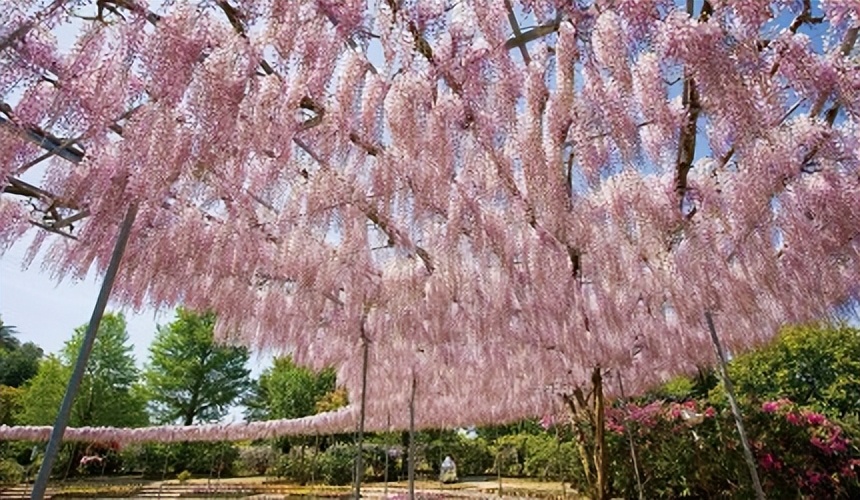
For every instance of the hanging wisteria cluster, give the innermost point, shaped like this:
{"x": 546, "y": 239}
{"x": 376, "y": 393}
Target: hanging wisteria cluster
{"x": 497, "y": 197}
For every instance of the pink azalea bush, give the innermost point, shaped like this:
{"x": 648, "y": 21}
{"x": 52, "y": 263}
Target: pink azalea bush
{"x": 100, "y": 458}
{"x": 692, "y": 449}
{"x": 803, "y": 453}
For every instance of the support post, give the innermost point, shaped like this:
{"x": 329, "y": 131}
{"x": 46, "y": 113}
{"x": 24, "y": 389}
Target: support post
{"x": 359, "y": 457}
{"x": 500, "y": 455}
{"x": 600, "y": 459}
{"x": 387, "y": 452}
{"x": 411, "y": 465}
{"x": 632, "y": 444}
{"x": 41, "y": 484}
{"x": 736, "y": 411}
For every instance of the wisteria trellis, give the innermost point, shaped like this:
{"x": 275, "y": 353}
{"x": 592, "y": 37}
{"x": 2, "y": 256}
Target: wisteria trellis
{"x": 499, "y": 208}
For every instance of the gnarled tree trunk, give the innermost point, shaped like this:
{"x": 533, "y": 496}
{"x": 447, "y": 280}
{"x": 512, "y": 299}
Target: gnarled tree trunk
{"x": 592, "y": 446}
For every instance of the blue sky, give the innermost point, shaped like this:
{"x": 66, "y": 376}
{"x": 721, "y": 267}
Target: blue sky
{"x": 46, "y": 312}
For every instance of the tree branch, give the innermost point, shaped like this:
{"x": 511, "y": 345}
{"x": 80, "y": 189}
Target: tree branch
{"x": 515, "y": 26}
{"x": 520, "y": 40}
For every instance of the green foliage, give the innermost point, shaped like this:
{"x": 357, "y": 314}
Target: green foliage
{"x": 286, "y": 390}
{"x": 190, "y": 378}
{"x": 216, "y": 459}
{"x": 257, "y": 460}
{"x": 683, "y": 387}
{"x": 373, "y": 458}
{"x": 300, "y": 465}
{"x": 10, "y": 472}
{"x": 546, "y": 458}
{"x": 157, "y": 460}
{"x": 10, "y": 404}
{"x": 183, "y": 476}
{"x": 43, "y": 393}
{"x": 815, "y": 365}
{"x": 493, "y": 432}
{"x": 108, "y": 395}
{"x": 803, "y": 453}
{"x": 472, "y": 455}
{"x": 24, "y": 453}
{"x": 540, "y": 455}
{"x": 510, "y": 454}
{"x": 678, "y": 388}
{"x": 336, "y": 464}
{"x": 305, "y": 465}
{"x": 332, "y": 400}
{"x": 693, "y": 450}
{"x": 153, "y": 460}
{"x": 8, "y": 341}
{"x": 19, "y": 364}
{"x": 676, "y": 457}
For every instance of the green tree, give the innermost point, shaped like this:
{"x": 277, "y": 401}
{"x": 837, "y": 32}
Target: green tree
{"x": 20, "y": 364}
{"x": 42, "y": 394}
{"x": 108, "y": 394}
{"x": 8, "y": 341}
{"x": 812, "y": 365}
{"x": 189, "y": 377}
{"x": 10, "y": 398}
{"x": 286, "y": 390}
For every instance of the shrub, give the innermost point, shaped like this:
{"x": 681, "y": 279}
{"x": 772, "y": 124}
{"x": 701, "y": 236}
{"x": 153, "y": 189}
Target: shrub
{"x": 336, "y": 464}
{"x": 538, "y": 455}
{"x": 257, "y": 459}
{"x": 803, "y": 453}
{"x": 471, "y": 454}
{"x": 215, "y": 459}
{"x": 300, "y": 465}
{"x": 374, "y": 462}
{"x": 816, "y": 366}
{"x": 101, "y": 458}
{"x": 183, "y": 476}
{"x": 685, "y": 449}
{"x": 549, "y": 460}
{"x": 682, "y": 450}
{"x": 333, "y": 466}
{"x": 153, "y": 460}
{"x": 10, "y": 472}
{"x": 159, "y": 460}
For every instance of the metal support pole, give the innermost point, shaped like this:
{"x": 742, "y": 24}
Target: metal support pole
{"x": 736, "y": 411}
{"x": 41, "y": 484}
{"x": 359, "y": 462}
{"x": 411, "y": 465}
